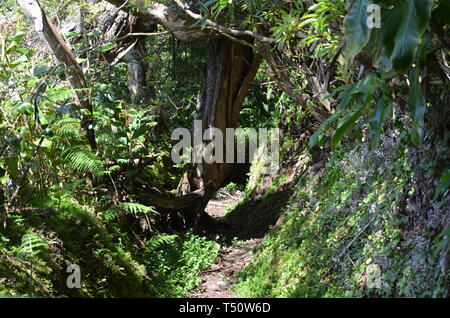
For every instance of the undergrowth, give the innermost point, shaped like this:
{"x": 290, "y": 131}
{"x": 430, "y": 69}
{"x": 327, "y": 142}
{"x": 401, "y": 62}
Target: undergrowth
{"x": 38, "y": 244}
{"x": 363, "y": 226}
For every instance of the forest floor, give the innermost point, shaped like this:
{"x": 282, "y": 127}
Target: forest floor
{"x": 218, "y": 280}
{"x": 243, "y": 227}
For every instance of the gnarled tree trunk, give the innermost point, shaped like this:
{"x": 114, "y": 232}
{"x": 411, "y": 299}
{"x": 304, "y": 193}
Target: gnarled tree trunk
{"x": 230, "y": 69}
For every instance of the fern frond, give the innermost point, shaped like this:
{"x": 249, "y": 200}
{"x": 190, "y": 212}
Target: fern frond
{"x": 132, "y": 207}
{"x": 83, "y": 160}
{"x": 68, "y": 127}
{"x": 128, "y": 208}
{"x": 31, "y": 246}
{"x": 159, "y": 240}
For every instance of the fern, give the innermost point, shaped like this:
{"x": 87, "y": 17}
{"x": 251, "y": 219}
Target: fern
{"x": 159, "y": 240}
{"x": 68, "y": 127}
{"x": 131, "y": 207}
{"x": 31, "y": 246}
{"x": 57, "y": 94}
{"x": 128, "y": 208}
{"x": 83, "y": 160}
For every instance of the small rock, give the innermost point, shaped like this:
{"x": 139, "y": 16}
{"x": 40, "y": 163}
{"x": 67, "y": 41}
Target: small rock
{"x": 222, "y": 283}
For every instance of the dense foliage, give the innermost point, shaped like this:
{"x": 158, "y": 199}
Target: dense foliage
{"x": 370, "y": 105}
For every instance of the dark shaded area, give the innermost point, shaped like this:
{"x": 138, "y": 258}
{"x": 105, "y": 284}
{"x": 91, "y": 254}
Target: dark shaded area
{"x": 251, "y": 219}
{"x": 75, "y": 237}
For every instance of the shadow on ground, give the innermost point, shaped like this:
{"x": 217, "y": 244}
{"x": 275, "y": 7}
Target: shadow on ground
{"x": 250, "y": 219}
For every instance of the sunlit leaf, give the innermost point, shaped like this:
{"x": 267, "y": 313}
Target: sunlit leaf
{"x": 107, "y": 47}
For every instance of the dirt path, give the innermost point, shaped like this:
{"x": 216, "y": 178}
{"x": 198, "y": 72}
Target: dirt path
{"x": 219, "y": 278}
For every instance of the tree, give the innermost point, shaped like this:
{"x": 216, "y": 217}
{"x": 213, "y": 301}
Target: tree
{"x": 231, "y": 66}
{"x": 64, "y": 55}
{"x": 234, "y": 56}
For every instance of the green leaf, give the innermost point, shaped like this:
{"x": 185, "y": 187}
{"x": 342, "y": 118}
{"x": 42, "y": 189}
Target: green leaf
{"x": 382, "y": 40}
{"x": 416, "y": 104}
{"x": 357, "y": 32}
{"x": 32, "y": 82}
{"x": 139, "y": 153}
{"x": 160, "y": 239}
{"x": 346, "y": 124}
{"x": 128, "y": 208}
{"x": 143, "y": 129}
{"x": 307, "y": 21}
{"x": 19, "y": 61}
{"x": 46, "y": 143}
{"x": 314, "y": 139}
{"x": 377, "y": 119}
{"x": 358, "y": 131}
{"x": 41, "y": 70}
{"x": 15, "y": 142}
{"x": 60, "y": 94}
{"x": 415, "y": 20}
{"x": 31, "y": 246}
{"x": 83, "y": 160}
{"x": 359, "y": 94}
{"x": 441, "y": 241}
{"x": 107, "y": 47}
{"x": 443, "y": 185}
{"x": 139, "y": 132}
{"x": 12, "y": 165}
{"x": 368, "y": 85}
{"x": 25, "y": 108}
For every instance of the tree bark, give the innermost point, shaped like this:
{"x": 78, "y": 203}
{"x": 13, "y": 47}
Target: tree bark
{"x": 180, "y": 20}
{"x": 230, "y": 70}
{"x": 116, "y": 24}
{"x": 136, "y": 72}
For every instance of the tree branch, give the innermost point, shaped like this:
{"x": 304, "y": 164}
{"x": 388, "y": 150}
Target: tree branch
{"x": 121, "y": 38}
{"x": 165, "y": 16}
{"x": 156, "y": 198}
{"x": 64, "y": 55}
{"x": 224, "y": 30}
{"x": 181, "y": 27}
